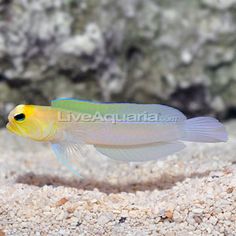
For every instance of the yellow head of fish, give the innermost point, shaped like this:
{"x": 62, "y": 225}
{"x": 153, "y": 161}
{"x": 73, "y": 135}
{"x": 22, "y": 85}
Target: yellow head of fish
{"x": 35, "y": 122}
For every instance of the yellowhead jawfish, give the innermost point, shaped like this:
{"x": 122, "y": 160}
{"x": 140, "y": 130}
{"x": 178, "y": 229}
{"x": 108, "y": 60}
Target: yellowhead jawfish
{"x": 121, "y": 131}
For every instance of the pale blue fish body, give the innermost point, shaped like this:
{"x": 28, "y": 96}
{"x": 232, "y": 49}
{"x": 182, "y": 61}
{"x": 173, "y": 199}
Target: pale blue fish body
{"x": 127, "y": 124}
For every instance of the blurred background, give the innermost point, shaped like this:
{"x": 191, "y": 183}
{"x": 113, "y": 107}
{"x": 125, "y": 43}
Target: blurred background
{"x": 180, "y": 53}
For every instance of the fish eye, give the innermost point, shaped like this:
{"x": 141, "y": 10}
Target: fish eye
{"x": 19, "y": 117}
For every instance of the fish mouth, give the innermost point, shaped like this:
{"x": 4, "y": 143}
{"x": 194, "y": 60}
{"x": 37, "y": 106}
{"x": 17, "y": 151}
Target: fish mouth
{"x": 12, "y": 128}
{"x": 9, "y": 127}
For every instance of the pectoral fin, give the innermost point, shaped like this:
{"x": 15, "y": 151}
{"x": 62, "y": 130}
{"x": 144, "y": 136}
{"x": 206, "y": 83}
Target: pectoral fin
{"x": 69, "y": 153}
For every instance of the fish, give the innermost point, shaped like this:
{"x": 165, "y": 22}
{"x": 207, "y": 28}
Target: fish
{"x": 121, "y": 131}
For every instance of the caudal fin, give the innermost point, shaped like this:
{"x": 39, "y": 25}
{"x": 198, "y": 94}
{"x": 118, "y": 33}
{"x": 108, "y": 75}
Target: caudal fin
{"x": 205, "y": 130}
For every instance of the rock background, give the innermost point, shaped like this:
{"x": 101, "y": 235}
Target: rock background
{"x": 180, "y": 53}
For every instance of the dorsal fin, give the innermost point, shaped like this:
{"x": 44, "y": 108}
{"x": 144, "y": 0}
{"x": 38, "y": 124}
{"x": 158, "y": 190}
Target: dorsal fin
{"x": 74, "y": 105}
{"x": 164, "y": 113}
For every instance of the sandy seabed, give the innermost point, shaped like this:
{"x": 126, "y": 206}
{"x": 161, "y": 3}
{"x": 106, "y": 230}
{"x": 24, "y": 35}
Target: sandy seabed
{"x": 190, "y": 193}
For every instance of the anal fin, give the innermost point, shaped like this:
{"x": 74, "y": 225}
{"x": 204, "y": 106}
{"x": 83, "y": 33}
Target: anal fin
{"x": 141, "y": 153}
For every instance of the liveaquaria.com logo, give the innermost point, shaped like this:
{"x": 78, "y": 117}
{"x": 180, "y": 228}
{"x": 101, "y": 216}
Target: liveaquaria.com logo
{"x": 144, "y": 117}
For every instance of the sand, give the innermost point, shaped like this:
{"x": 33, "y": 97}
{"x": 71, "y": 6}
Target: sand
{"x": 190, "y": 193}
